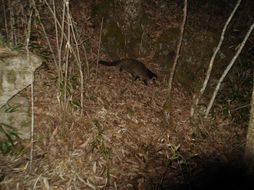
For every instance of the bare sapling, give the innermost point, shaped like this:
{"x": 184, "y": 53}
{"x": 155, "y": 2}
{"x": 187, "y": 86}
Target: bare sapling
{"x": 249, "y": 147}
{"x": 167, "y": 105}
{"x": 227, "y": 70}
{"x": 67, "y": 47}
{"x": 99, "y": 48}
{"x": 211, "y": 63}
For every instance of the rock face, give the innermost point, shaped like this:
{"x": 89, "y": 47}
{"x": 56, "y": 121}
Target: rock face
{"x": 16, "y": 73}
{"x": 17, "y": 115}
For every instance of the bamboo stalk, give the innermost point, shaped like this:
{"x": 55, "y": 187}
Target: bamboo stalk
{"x": 32, "y": 92}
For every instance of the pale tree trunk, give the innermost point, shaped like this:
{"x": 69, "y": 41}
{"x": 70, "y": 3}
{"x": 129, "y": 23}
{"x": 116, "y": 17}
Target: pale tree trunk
{"x": 249, "y": 148}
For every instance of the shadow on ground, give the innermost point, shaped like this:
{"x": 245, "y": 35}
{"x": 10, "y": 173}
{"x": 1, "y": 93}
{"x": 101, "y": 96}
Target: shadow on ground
{"x": 212, "y": 176}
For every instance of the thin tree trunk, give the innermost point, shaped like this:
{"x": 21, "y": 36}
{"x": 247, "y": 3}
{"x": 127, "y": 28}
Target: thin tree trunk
{"x": 249, "y": 148}
{"x": 227, "y": 70}
{"x": 167, "y": 105}
{"x": 208, "y": 73}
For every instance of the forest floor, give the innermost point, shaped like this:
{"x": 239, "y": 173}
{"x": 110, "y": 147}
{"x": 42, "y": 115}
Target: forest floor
{"x": 121, "y": 141}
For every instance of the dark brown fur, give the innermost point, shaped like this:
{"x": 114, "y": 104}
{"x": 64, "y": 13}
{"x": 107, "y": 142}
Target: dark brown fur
{"x": 136, "y": 68}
